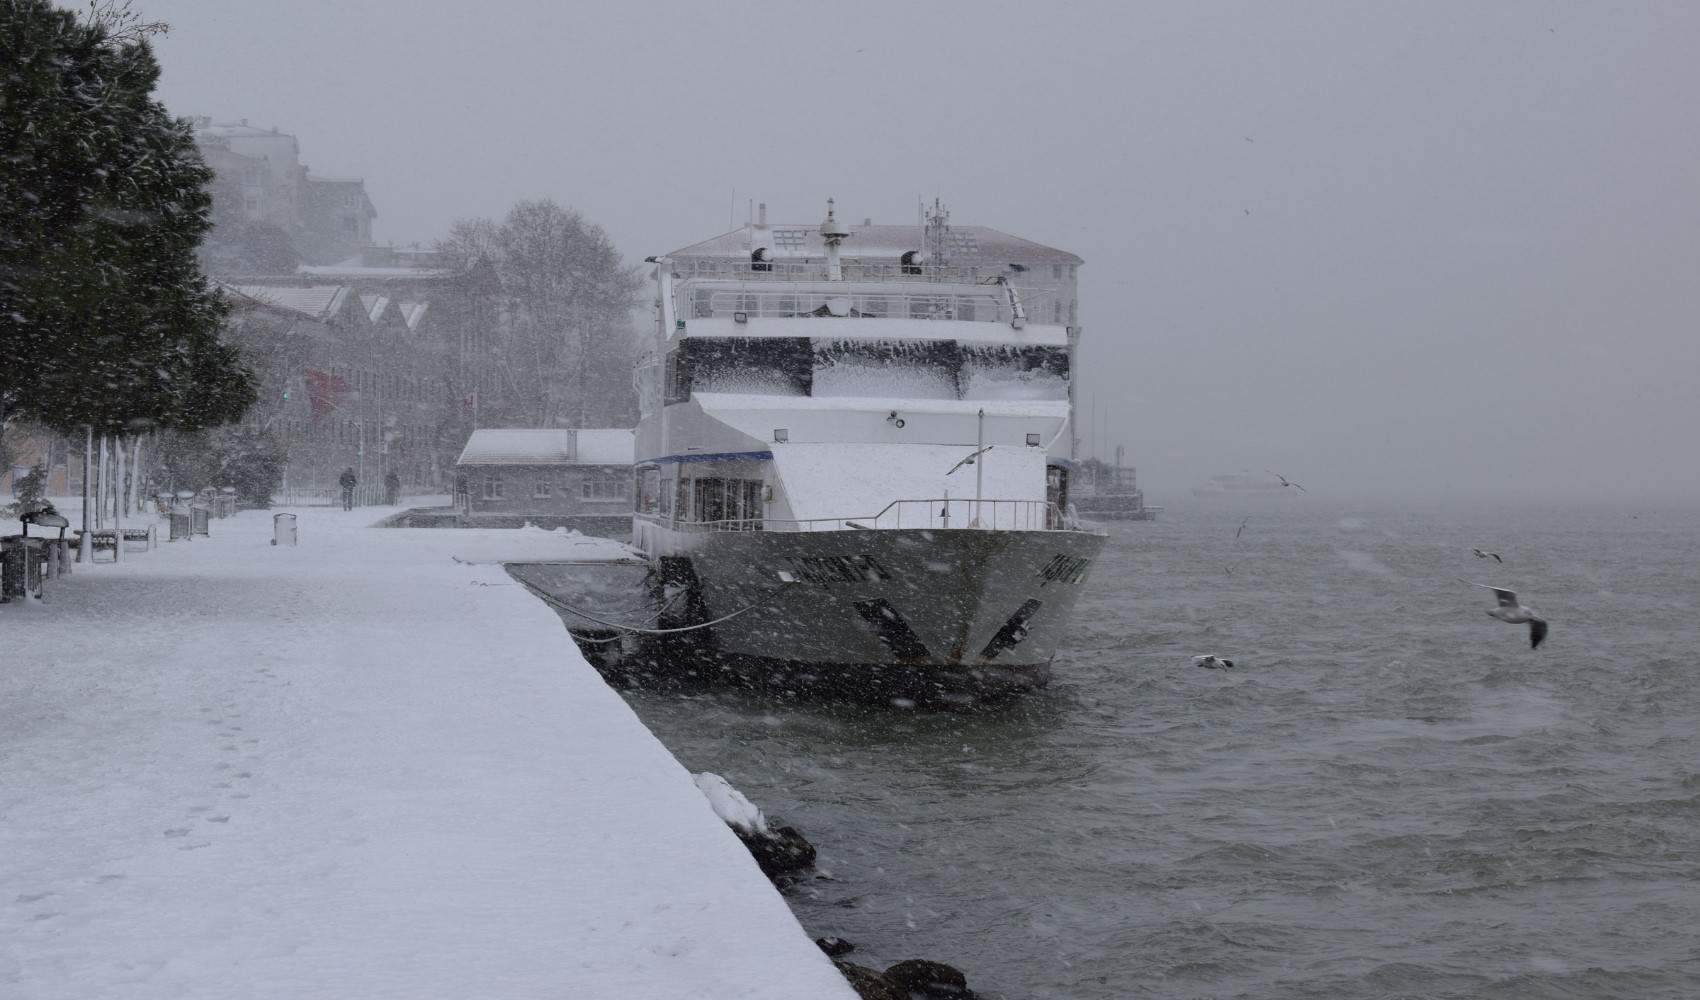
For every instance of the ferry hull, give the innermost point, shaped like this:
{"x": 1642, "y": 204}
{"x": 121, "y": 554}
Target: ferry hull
{"x": 921, "y": 614}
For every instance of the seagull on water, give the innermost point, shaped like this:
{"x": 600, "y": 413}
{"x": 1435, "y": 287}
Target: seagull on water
{"x": 1213, "y": 662}
{"x": 1285, "y": 481}
{"x": 1513, "y": 613}
{"x": 1483, "y": 555}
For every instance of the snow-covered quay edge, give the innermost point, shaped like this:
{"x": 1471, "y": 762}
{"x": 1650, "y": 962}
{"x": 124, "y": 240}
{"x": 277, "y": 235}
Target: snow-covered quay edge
{"x": 359, "y": 767}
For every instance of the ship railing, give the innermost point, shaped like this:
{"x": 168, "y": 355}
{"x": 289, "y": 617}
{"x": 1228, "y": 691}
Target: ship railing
{"x": 728, "y": 303}
{"x": 816, "y": 269}
{"x": 939, "y": 515}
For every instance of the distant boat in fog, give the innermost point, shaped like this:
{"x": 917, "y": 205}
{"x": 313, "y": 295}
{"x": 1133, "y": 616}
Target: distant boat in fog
{"x": 1241, "y": 484}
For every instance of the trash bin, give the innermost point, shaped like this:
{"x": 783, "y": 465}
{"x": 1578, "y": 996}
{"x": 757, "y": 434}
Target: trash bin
{"x": 200, "y": 518}
{"x": 182, "y": 520}
{"x": 283, "y": 529}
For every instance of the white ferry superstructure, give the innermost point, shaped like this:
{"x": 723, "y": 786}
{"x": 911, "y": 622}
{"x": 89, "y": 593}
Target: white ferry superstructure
{"x": 856, "y": 465}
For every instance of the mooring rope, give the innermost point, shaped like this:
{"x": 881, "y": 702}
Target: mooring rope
{"x": 634, "y": 630}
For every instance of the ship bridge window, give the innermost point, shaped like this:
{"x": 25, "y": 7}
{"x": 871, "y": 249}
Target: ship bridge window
{"x": 1014, "y": 371}
{"x": 890, "y": 369}
{"x": 761, "y": 366}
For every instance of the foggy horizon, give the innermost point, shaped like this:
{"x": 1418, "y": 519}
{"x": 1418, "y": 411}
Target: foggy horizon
{"x": 1441, "y": 251}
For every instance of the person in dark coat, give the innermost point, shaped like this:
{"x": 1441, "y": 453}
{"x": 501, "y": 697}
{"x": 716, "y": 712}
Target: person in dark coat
{"x": 347, "y": 481}
{"x": 392, "y": 488}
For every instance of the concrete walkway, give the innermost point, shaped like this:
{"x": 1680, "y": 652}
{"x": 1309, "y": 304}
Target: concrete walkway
{"x": 354, "y": 768}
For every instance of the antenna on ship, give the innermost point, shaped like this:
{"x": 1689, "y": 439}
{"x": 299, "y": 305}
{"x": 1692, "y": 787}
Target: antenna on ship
{"x": 938, "y": 228}
{"x": 833, "y": 234}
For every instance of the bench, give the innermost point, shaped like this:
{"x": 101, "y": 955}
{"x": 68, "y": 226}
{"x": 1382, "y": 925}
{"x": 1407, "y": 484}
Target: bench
{"x": 107, "y": 539}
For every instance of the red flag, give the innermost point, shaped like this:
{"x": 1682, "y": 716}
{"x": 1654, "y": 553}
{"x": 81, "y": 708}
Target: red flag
{"x": 324, "y": 392}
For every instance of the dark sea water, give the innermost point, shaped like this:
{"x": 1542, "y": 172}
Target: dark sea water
{"x": 1391, "y": 795}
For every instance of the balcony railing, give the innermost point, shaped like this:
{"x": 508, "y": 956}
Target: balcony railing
{"x": 925, "y": 302}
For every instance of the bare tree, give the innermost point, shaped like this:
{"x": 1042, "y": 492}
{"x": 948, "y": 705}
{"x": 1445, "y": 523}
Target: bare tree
{"x": 123, "y": 23}
{"x": 556, "y": 311}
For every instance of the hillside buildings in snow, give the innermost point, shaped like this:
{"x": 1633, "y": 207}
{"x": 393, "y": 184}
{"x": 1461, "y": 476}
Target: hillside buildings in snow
{"x": 262, "y": 190}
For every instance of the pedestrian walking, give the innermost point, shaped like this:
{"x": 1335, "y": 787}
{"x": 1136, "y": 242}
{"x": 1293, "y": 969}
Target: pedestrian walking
{"x": 392, "y": 488}
{"x": 347, "y": 481}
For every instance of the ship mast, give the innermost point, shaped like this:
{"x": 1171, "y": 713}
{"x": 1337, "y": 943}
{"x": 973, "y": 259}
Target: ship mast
{"x": 833, "y": 234}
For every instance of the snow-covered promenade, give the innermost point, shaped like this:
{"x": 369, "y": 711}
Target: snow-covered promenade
{"x": 356, "y": 768}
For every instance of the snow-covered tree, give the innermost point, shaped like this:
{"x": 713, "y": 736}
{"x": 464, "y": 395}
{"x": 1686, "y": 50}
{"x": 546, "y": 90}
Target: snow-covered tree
{"x": 105, "y": 317}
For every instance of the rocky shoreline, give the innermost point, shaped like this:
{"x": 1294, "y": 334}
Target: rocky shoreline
{"x": 784, "y": 855}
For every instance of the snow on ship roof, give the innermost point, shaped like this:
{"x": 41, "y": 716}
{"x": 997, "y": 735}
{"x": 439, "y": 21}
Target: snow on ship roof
{"x": 524, "y": 446}
{"x": 965, "y": 244}
{"x": 831, "y": 480}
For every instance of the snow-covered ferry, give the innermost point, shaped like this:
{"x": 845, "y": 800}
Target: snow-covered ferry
{"x": 852, "y": 457}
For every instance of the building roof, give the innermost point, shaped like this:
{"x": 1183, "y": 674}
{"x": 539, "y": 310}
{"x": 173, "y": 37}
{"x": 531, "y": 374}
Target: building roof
{"x": 964, "y": 244}
{"x": 316, "y": 302}
{"x": 413, "y": 312}
{"x": 374, "y": 306}
{"x": 525, "y": 446}
{"x": 206, "y": 126}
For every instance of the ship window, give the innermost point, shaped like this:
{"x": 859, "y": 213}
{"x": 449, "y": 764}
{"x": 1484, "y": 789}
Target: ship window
{"x": 649, "y": 490}
{"x": 681, "y": 499}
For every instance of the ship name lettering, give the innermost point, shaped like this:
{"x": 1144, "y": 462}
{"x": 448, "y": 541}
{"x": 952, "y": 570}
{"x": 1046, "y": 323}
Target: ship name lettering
{"x": 838, "y": 569}
{"x": 1064, "y": 569}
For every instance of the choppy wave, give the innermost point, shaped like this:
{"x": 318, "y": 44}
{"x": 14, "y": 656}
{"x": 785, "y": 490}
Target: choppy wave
{"x": 1390, "y": 796}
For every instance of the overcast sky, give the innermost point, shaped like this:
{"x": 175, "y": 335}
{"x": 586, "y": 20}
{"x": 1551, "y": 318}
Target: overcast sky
{"x": 1445, "y": 248}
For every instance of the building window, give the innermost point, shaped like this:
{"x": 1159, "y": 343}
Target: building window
{"x": 605, "y": 487}
{"x": 493, "y": 488}
{"x": 541, "y": 488}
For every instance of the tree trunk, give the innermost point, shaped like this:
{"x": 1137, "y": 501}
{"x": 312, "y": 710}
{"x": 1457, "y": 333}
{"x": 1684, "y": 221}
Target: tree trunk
{"x": 135, "y": 500}
{"x": 100, "y": 480}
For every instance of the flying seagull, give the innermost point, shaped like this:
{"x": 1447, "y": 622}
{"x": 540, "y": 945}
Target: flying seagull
{"x": 1212, "y": 662}
{"x": 1513, "y": 613}
{"x": 1285, "y": 481}
{"x": 1241, "y": 531}
{"x": 1483, "y": 555}
{"x": 970, "y": 459}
